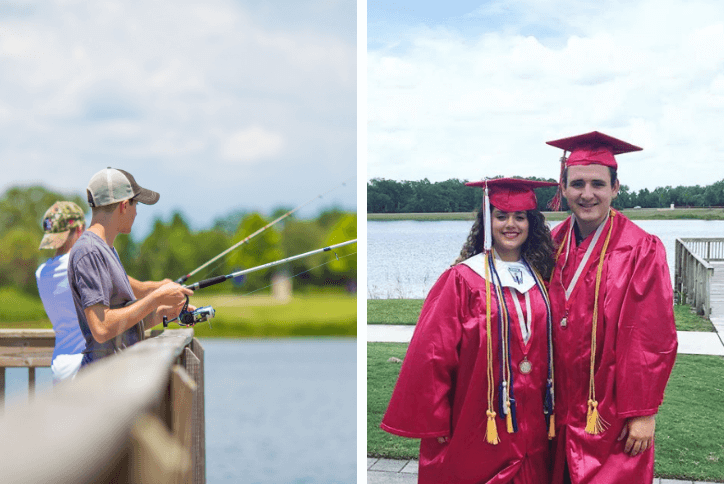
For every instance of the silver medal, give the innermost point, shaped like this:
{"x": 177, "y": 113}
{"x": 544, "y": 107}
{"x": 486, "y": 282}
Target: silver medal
{"x": 525, "y": 366}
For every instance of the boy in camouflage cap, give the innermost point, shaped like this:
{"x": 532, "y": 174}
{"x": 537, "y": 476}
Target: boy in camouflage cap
{"x": 63, "y": 223}
{"x": 58, "y": 222}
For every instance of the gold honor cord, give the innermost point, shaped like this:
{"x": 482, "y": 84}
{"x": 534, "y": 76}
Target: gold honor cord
{"x": 491, "y": 433}
{"x": 549, "y": 328}
{"x": 505, "y": 349}
{"x": 594, "y": 423}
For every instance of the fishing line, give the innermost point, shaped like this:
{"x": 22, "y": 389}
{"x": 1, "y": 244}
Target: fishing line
{"x": 183, "y": 279}
{"x": 190, "y": 318}
{"x": 295, "y": 275}
{"x": 208, "y": 308}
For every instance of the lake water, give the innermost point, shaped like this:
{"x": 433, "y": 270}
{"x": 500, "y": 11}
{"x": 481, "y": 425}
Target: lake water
{"x": 277, "y": 411}
{"x": 405, "y": 258}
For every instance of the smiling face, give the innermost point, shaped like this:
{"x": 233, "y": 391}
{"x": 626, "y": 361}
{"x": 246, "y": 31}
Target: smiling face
{"x": 589, "y": 193}
{"x": 510, "y": 231}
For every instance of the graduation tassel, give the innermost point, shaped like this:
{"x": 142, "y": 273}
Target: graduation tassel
{"x": 556, "y": 201}
{"x": 509, "y": 419}
{"x": 594, "y": 423}
{"x": 491, "y": 433}
{"x": 552, "y": 426}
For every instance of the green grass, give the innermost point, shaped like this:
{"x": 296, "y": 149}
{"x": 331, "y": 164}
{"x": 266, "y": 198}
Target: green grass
{"x": 689, "y": 425}
{"x": 633, "y": 214}
{"x": 381, "y": 378}
{"x": 688, "y": 320}
{"x": 406, "y": 311}
{"x": 310, "y": 314}
{"x": 18, "y": 307}
{"x": 393, "y": 311}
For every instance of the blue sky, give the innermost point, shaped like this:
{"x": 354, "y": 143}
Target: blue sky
{"x": 472, "y": 89}
{"x": 218, "y": 105}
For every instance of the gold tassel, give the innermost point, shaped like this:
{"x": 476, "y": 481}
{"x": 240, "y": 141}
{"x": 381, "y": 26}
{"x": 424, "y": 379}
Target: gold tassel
{"x": 509, "y": 419}
{"x": 552, "y": 427}
{"x": 594, "y": 423}
{"x": 491, "y": 435}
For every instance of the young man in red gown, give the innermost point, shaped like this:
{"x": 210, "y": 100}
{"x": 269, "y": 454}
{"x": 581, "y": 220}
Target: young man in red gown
{"x": 611, "y": 297}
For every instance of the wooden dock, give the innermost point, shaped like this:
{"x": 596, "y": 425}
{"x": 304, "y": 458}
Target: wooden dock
{"x": 137, "y": 416}
{"x": 699, "y": 276}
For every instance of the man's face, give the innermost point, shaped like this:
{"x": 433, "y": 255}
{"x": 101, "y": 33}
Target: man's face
{"x": 589, "y": 194}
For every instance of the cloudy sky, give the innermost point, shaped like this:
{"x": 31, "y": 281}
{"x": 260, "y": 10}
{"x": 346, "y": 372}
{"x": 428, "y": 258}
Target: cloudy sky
{"x": 470, "y": 89}
{"x": 218, "y": 105}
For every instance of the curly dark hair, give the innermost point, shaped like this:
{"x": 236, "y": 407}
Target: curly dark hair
{"x": 537, "y": 249}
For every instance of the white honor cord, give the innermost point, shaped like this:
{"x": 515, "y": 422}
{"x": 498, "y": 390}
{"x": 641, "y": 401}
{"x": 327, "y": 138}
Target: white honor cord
{"x": 586, "y": 256}
{"x": 524, "y": 324}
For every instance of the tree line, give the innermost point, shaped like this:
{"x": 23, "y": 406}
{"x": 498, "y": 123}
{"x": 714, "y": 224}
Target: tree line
{"x": 172, "y": 249}
{"x": 423, "y": 196}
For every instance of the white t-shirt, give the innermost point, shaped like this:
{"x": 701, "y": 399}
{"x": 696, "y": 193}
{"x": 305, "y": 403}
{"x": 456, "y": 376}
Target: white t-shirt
{"x": 52, "y": 278}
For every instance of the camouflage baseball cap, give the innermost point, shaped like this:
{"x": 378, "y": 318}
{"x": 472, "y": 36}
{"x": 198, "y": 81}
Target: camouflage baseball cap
{"x": 58, "y": 220}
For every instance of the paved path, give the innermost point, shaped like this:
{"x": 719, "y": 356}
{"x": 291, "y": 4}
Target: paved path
{"x": 393, "y": 471}
{"x": 690, "y": 342}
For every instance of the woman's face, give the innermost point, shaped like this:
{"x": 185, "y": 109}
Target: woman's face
{"x": 510, "y": 231}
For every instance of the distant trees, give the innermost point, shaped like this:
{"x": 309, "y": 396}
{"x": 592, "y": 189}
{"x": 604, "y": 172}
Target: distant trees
{"x": 390, "y": 196}
{"x": 172, "y": 249}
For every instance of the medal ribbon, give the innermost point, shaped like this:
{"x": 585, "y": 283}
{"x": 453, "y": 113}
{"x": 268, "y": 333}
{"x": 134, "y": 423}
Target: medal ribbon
{"x": 522, "y": 320}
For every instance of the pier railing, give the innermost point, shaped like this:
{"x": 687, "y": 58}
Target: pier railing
{"x": 134, "y": 417}
{"x": 693, "y": 272}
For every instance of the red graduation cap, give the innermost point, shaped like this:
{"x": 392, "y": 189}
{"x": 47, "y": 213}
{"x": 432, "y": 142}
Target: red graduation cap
{"x": 512, "y": 194}
{"x": 593, "y": 148}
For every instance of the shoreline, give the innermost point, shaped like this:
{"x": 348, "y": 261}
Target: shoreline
{"x": 631, "y": 213}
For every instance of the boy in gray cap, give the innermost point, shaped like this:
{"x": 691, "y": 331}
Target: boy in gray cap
{"x": 100, "y": 287}
{"x": 63, "y": 223}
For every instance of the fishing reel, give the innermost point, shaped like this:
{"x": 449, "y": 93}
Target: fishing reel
{"x": 190, "y": 318}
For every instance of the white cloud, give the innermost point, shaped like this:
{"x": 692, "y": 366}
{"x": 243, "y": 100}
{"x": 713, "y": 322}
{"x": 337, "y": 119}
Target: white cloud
{"x": 251, "y": 145}
{"x": 646, "y": 72}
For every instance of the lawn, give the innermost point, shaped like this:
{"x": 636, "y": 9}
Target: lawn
{"x": 688, "y": 428}
{"x": 324, "y": 314}
{"x": 406, "y": 311}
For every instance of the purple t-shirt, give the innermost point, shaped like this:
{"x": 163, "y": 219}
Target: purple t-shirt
{"x": 96, "y": 276}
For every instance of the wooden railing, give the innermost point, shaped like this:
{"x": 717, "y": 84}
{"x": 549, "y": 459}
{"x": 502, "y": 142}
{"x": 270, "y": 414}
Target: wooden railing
{"x": 693, "y": 272}
{"x": 134, "y": 417}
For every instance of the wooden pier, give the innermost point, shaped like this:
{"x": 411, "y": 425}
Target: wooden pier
{"x": 134, "y": 417}
{"x": 699, "y": 276}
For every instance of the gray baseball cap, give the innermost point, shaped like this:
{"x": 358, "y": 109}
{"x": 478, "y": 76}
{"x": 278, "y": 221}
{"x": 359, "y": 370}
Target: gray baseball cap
{"x": 113, "y": 185}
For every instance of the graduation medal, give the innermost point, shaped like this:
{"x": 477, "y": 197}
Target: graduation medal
{"x": 525, "y": 366}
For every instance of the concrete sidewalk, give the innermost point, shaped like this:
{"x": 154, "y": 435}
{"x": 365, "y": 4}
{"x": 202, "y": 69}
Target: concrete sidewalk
{"x": 690, "y": 342}
{"x": 393, "y": 471}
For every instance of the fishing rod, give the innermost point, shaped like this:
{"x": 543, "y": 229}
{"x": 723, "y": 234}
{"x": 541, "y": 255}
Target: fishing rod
{"x": 190, "y": 318}
{"x": 185, "y": 278}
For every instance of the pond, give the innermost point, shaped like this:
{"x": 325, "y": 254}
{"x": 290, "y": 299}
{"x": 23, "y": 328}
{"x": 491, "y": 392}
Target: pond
{"x": 405, "y": 258}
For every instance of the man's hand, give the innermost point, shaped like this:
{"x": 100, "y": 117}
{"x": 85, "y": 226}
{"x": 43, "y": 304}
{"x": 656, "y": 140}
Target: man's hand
{"x": 170, "y": 299}
{"x": 171, "y": 294}
{"x": 640, "y": 432}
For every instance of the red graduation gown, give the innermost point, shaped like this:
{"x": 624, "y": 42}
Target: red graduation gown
{"x": 442, "y": 388}
{"x": 636, "y": 348}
